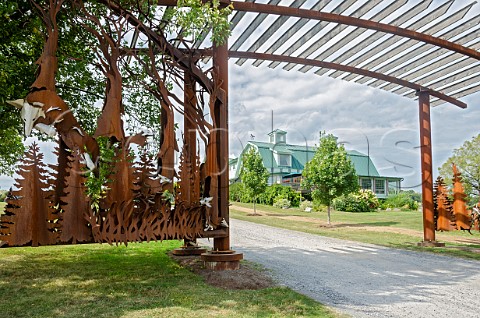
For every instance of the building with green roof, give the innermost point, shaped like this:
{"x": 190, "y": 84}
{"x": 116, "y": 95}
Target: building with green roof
{"x": 285, "y": 163}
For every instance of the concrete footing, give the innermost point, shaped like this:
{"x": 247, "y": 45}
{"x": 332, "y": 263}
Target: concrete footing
{"x": 431, "y": 244}
{"x": 222, "y": 260}
{"x": 189, "y": 250}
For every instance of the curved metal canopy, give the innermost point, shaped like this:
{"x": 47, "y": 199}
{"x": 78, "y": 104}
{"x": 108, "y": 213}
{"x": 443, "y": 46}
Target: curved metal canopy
{"x": 398, "y": 46}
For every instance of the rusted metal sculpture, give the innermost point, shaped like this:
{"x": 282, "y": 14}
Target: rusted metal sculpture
{"x": 462, "y": 217}
{"x": 444, "y": 216}
{"x": 74, "y": 205}
{"x": 30, "y": 218}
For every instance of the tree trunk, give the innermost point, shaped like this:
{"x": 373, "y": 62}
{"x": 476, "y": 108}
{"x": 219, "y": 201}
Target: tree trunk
{"x": 254, "y": 206}
{"x": 328, "y": 214}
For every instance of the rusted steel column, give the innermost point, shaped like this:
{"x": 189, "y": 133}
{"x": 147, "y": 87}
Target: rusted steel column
{"x": 220, "y": 64}
{"x": 190, "y": 133}
{"x": 427, "y": 179}
{"x": 166, "y": 156}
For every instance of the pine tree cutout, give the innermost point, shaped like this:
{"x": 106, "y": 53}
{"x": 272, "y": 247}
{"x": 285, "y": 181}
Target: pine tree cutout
{"x": 74, "y": 227}
{"x": 30, "y": 219}
{"x": 445, "y": 219}
{"x": 462, "y": 218}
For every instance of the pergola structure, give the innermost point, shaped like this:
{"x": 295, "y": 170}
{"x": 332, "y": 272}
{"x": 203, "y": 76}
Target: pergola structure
{"x": 416, "y": 49}
{"x": 421, "y": 50}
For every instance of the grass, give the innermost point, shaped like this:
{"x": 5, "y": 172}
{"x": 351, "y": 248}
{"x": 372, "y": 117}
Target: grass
{"x": 353, "y": 226}
{"x": 140, "y": 280}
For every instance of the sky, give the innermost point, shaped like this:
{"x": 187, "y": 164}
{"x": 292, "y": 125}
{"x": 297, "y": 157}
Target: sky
{"x": 372, "y": 121}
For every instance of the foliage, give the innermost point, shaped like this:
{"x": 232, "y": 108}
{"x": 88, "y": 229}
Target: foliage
{"x": 20, "y": 46}
{"x": 467, "y": 160}
{"x": 199, "y": 15}
{"x": 405, "y": 200}
{"x": 79, "y": 78}
{"x": 281, "y": 203}
{"x": 278, "y": 191}
{"x": 253, "y": 174}
{"x": 97, "y": 184}
{"x": 361, "y": 201}
{"x": 330, "y": 173}
{"x": 319, "y": 206}
{"x": 237, "y": 193}
{"x": 306, "y": 204}
{"x": 3, "y": 195}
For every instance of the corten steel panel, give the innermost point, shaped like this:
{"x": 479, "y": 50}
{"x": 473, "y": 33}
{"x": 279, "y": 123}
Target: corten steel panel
{"x": 443, "y": 206}
{"x": 462, "y": 219}
{"x": 73, "y": 225}
{"x": 29, "y": 218}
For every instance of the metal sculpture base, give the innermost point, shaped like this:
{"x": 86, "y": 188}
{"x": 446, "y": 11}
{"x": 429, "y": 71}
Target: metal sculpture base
{"x": 431, "y": 244}
{"x": 189, "y": 251}
{"x": 222, "y": 260}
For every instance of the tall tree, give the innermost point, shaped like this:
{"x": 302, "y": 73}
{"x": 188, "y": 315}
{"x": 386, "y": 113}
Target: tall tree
{"x": 467, "y": 160}
{"x": 330, "y": 173}
{"x": 254, "y": 175}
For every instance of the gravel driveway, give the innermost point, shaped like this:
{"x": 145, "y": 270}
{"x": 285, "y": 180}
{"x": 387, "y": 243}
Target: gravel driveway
{"x": 363, "y": 280}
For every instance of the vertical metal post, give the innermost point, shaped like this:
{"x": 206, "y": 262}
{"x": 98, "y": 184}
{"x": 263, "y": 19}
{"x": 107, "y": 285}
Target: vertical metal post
{"x": 190, "y": 135}
{"x": 220, "y": 63}
{"x": 426, "y": 166}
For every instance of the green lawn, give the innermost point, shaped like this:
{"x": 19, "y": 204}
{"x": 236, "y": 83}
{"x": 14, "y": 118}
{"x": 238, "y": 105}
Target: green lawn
{"x": 2, "y": 206}
{"x": 407, "y": 227}
{"x": 140, "y": 280}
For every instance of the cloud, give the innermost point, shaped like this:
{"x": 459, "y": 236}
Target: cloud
{"x": 369, "y": 120}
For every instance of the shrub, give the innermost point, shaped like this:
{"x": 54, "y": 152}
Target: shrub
{"x": 277, "y": 191}
{"x": 360, "y": 201}
{"x": 282, "y": 203}
{"x": 237, "y": 193}
{"x": 318, "y": 206}
{"x": 306, "y": 204}
{"x": 403, "y": 200}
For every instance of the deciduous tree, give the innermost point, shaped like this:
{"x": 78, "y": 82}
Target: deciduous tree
{"x": 467, "y": 160}
{"x": 254, "y": 175}
{"x": 330, "y": 173}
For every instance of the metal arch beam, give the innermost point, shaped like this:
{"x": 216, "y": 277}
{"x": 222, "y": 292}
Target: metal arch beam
{"x": 406, "y": 16}
{"x": 359, "y": 12}
{"x": 344, "y": 68}
{"x": 319, "y": 5}
{"x": 362, "y": 23}
{"x": 357, "y": 32}
{"x": 397, "y": 53}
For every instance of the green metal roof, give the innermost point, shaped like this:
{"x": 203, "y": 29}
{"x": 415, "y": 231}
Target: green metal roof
{"x": 302, "y": 154}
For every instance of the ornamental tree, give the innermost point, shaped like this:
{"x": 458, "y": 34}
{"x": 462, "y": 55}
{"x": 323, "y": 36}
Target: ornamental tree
{"x": 254, "y": 175}
{"x": 467, "y": 160}
{"x": 330, "y": 173}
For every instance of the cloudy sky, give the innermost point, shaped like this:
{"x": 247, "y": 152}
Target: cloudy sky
{"x": 365, "y": 119}
{"x": 369, "y": 120}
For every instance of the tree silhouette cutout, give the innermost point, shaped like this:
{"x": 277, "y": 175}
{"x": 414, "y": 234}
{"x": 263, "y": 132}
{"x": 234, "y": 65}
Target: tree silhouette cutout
{"x": 74, "y": 226}
{"x": 30, "y": 218}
